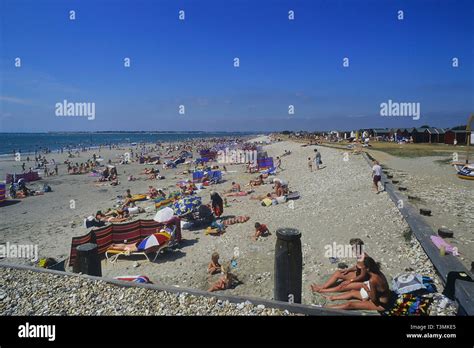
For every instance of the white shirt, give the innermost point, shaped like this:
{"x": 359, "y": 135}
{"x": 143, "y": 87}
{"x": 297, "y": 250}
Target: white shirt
{"x": 377, "y": 169}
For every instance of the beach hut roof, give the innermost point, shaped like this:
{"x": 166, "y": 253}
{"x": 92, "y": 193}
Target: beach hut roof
{"x": 434, "y": 130}
{"x": 381, "y": 131}
{"x": 457, "y": 131}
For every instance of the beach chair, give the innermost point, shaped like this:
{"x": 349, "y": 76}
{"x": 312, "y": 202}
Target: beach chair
{"x": 113, "y": 254}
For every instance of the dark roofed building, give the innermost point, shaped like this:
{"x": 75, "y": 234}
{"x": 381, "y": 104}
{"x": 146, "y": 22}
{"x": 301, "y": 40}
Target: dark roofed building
{"x": 459, "y": 135}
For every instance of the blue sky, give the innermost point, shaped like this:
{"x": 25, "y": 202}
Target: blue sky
{"x": 191, "y": 63}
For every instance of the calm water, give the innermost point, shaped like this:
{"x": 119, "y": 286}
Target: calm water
{"x": 29, "y": 142}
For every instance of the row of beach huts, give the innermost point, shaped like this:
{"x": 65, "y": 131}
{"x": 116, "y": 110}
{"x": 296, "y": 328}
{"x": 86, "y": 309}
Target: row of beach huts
{"x": 430, "y": 135}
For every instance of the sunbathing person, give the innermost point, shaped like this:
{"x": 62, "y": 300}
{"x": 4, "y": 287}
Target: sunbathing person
{"x": 112, "y": 216}
{"x": 128, "y": 199}
{"x": 235, "y": 188}
{"x": 113, "y": 173}
{"x": 190, "y": 187}
{"x": 214, "y": 266}
{"x": 225, "y": 281}
{"x": 125, "y": 247}
{"x": 152, "y": 192}
{"x": 279, "y": 191}
{"x": 357, "y": 273}
{"x": 257, "y": 182}
{"x": 373, "y": 294}
{"x": 261, "y": 230}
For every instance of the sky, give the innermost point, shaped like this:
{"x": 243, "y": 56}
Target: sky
{"x": 191, "y": 63}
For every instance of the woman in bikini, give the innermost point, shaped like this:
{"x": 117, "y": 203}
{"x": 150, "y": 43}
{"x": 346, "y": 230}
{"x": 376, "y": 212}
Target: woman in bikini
{"x": 373, "y": 294}
{"x": 355, "y": 274}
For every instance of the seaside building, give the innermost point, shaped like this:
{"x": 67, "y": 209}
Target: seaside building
{"x": 459, "y": 135}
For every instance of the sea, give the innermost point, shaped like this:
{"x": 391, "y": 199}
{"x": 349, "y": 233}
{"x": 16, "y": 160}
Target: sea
{"x": 28, "y": 143}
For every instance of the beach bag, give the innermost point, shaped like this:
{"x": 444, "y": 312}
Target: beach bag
{"x": 406, "y": 283}
{"x": 266, "y": 202}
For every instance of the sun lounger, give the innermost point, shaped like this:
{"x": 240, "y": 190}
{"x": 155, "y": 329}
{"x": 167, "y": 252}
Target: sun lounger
{"x": 112, "y": 255}
{"x": 168, "y": 239}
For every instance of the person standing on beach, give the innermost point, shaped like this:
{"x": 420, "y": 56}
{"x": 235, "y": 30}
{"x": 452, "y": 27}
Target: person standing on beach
{"x": 376, "y": 175}
{"x": 217, "y": 204}
{"x": 317, "y": 159}
{"x": 278, "y": 164}
{"x": 310, "y": 164}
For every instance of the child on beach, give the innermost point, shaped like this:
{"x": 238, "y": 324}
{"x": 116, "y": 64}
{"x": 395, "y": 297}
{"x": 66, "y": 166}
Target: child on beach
{"x": 310, "y": 164}
{"x": 152, "y": 192}
{"x": 261, "y": 230}
{"x": 214, "y": 266}
{"x": 225, "y": 281}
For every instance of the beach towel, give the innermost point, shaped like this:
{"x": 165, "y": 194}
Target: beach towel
{"x": 237, "y": 194}
{"x": 266, "y": 202}
{"x": 135, "y": 279}
{"x": 410, "y": 305}
{"x": 138, "y": 197}
{"x": 162, "y": 203}
{"x": 269, "y": 171}
{"x": 293, "y": 195}
{"x": 212, "y": 231}
{"x": 441, "y": 243}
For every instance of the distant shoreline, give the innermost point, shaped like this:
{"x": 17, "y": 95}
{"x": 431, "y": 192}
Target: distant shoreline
{"x": 138, "y": 132}
{"x": 29, "y": 143}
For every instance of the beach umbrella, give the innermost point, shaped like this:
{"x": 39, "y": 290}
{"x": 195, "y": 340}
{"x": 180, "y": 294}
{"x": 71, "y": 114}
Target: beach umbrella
{"x": 154, "y": 240}
{"x": 164, "y": 215}
{"x": 186, "y": 205}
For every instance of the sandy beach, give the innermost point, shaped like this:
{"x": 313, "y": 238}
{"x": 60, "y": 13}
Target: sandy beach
{"x": 431, "y": 183}
{"x": 336, "y": 204}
